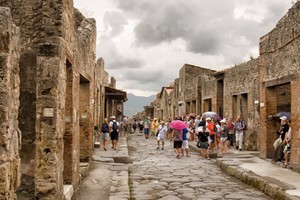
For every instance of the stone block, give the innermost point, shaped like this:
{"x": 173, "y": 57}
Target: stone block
{"x": 5, "y": 29}
{"x": 4, "y": 178}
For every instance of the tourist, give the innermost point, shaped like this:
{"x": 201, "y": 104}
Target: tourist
{"x": 177, "y": 141}
{"x": 154, "y": 127}
{"x": 203, "y": 135}
{"x": 169, "y": 132}
{"x": 141, "y": 126}
{"x": 161, "y": 136}
{"x": 146, "y": 127}
{"x": 217, "y": 132}
{"x": 114, "y": 134}
{"x": 191, "y": 126}
{"x": 230, "y": 127}
{"x": 239, "y": 133}
{"x": 105, "y": 130}
{"x": 287, "y": 148}
{"x": 185, "y": 143}
{"x": 224, "y": 137}
{"x": 134, "y": 125}
{"x": 211, "y": 130}
{"x": 283, "y": 130}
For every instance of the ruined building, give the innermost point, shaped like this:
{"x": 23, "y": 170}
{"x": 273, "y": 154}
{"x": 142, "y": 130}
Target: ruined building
{"x": 53, "y": 93}
{"x": 257, "y": 90}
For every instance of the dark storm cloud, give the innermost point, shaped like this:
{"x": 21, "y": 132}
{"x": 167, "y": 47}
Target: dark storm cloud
{"x": 208, "y": 27}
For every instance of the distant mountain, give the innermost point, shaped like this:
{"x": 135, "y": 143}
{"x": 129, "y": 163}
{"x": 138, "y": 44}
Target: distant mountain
{"x": 136, "y": 104}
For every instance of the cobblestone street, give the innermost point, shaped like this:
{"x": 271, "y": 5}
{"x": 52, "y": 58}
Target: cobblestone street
{"x": 158, "y": 174}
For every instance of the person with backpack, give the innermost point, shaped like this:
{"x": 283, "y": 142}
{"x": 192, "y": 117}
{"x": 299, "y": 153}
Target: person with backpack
{"x": 114, "y": 132}
{"x": 105, "y": 130}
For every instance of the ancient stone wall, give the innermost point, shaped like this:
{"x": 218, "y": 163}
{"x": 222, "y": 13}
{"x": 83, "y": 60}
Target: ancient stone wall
{"x": 10, "y": 136}
{"x": 241, "y": 95}
{"x": 279, "y": 66}
{"x": 208, "y": 93}
{"x": 188, "y": 85}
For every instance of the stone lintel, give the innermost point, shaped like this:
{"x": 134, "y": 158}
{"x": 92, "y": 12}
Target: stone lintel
{"x": 281, "y": 80}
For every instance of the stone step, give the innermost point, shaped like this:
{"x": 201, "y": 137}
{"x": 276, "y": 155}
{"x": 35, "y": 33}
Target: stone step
{"x": 97, "y": 145}
{"x": 103, "y": 159}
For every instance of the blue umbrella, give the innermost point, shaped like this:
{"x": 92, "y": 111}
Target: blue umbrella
{"x": 287, "y": 114}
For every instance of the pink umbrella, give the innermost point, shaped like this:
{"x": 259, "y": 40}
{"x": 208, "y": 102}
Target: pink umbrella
{"x": 178, "y": 124}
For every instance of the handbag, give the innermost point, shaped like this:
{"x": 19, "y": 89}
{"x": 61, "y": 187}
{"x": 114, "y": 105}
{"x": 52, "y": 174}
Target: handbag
{"x": 277, "y": 142}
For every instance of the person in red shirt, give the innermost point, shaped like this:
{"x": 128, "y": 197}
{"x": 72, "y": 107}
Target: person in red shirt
{"x": 211, "y": 129}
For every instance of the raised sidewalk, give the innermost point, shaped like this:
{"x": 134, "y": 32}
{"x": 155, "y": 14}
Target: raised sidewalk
{"x": 271, "y": 178}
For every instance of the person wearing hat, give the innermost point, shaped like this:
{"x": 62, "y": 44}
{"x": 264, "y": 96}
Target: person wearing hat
{"x": 284, "y": 128}
{"x": 239, "y": 126}
{"x": 114, "y": 132}
{"x": 224, "y": 137}
{"x": 161, "y": 135}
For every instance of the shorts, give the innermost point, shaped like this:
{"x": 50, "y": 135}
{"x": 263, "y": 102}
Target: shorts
{"x": 212, "y": 138}
{"x": 105, "y": 136}
{"x": 114, "y": 135}
{"x": 203, "y": 145}
{"x": 224, "y": 139}
{"x": 161, "y": 138}
{"x": 185, "y": 144}
{"x": 177, "y": 144}
{"x": 146, "y": 131}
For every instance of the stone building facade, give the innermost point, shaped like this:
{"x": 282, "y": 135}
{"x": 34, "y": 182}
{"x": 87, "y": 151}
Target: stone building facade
{"x": 188, "y": 99}
{"x": 257, "y": 90}
{"x": 238, "y": 95}
{"x": 279, "y": 67}
{"x": 52, "y": 96}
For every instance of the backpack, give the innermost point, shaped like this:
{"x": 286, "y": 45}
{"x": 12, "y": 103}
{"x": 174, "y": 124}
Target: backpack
{"x": 104, "y": 128}
{"x": 114, "y": 126}
{"x": 178, "y": 135}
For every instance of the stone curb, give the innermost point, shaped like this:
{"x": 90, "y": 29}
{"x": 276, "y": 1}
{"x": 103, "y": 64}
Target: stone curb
{"x": 271, "y": 188}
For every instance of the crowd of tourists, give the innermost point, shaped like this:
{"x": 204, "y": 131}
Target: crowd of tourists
{"x": 209, "y": 133}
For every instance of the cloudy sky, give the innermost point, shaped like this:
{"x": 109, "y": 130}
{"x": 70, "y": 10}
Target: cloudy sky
{"x": 145, "y": 42}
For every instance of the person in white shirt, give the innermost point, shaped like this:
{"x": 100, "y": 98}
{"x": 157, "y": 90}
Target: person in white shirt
{"x": 161, "y": 136}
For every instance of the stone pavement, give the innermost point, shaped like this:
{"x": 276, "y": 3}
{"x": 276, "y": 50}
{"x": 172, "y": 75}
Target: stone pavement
{"x": 156, "y": 174}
